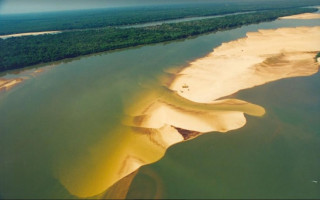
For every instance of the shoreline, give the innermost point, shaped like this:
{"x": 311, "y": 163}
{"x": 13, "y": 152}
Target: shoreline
{"x": 179, "y": 33}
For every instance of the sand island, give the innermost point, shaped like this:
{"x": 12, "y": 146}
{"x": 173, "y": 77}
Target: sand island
{"x": 261, "y": 57}
{"x": 194, "y": 103}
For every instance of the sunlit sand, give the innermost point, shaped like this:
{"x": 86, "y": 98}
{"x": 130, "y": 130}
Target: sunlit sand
{"x": 28, "y": 34}
{"x": 222, "y": 116}
{"x": 261, "y": 57}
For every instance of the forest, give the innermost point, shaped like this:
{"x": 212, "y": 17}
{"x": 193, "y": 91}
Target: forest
{"x": 88, "y": 19}
{"x": 19, "y": 52}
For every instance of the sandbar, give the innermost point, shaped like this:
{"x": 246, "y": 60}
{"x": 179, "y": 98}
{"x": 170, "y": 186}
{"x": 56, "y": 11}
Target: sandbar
{"x": 27, "y": 34}
{"x": 196, "y": 103}
{"x": 193, "y": 103}
{"x": 261, "y": 57}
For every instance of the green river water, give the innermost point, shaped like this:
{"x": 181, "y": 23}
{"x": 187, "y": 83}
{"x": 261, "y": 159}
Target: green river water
{"x": 66, "y": 120}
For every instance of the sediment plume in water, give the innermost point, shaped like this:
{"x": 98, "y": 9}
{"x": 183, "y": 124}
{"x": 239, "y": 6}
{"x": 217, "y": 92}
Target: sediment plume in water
{"x": 159, "y": 120}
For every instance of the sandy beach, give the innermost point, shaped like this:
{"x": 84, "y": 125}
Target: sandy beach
{"x": 261, "y": 57}
{"x": 27, "y": 34}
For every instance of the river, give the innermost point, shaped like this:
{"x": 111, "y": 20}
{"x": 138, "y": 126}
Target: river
{"x": 68, "y": 120}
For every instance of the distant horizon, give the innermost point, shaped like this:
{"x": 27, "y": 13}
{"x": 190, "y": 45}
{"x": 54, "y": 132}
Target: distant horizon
{"x": 8, "y": 7}
{"x": 80, "y": 9}
{"x": 11, "y": 7}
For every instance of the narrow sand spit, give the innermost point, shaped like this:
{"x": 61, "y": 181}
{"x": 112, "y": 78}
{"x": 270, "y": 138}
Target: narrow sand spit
{"x": 303, "y": 16}
{"x": 261, "y": 57}
{"x": 26, "y": 34}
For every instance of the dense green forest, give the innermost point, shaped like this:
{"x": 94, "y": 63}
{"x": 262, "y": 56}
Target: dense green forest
{"x": 19, "y": 52}
{"x": 87, "y": 19}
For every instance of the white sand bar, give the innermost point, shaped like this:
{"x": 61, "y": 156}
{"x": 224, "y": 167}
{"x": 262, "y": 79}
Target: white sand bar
{"x": 261, "y": 57}
{"x": 27, "y": 34}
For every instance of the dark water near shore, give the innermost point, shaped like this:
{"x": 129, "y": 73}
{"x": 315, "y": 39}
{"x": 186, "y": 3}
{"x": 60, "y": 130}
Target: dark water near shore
{"x": 59, "y": 117}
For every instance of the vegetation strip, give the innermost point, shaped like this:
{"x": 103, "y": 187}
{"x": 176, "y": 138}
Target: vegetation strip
{"x": 25, "y": 51}
{"x": 99, "y": 18}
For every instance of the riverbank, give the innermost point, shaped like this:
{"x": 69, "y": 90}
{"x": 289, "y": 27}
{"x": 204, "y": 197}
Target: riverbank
{"x": 25, "y": 51}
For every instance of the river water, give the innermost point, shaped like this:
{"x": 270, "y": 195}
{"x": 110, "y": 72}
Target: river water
{"x": 187, "y": 19}
{"x": 64, "y": 126}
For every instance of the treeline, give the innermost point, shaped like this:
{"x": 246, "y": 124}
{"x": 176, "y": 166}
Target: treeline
{"x": 87, "y": 19}
{"x": 24, "y": 51}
